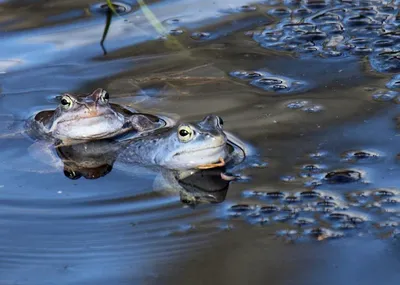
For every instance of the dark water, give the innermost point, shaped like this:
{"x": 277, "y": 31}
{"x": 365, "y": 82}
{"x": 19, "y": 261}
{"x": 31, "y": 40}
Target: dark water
{"x": 312, "y": 85}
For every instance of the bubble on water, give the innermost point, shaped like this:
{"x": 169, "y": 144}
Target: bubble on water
{"x": 241, "y": 74}
{"x": 289, "y": 235}
{"x": 252, "y": 193}
{"x": 239, "y": 208}
{"x": 200, "y": 36}
{"x": 288, "y": 178}
{"x": 315, "y": 168}
{"x": 337, "y": 216}
{"x": 119, "y": 7}
{"x": 244, "y": 8}
{"x": 383, "y": 43}
{"x": 394, "y": 83}
{"x": 360, "y": 156}
{"x": 388, "y": 224}
{"x": 268, "y": 85}
{"x": 309, "y": 170}
{"x": 383, "y": 193}
{"x": 390, "y": 201}
{"x": 345, "y": 226}
{"x": 312, "y": 183}
{"x": 362, "y": 50}
{"x": 297, "y": 104}
{"x": 310, "y": 194}
{"x": 304, "y": 221}
{"x": 326, "y": 204}
{"x": 384, "y": 95}
{"x": 279, "y": 12}
{"x": 319, "y": 154}
{"x": 342, "y": 176}
{"x": 292, "y": 199}
{"x": 247, "y": 8}
{"x": 323, "y": 233}
{"x": 275, "y": 195}
{"x": 176, "y": 32}
{"x": 269, "y": 209}
{"x": 313, "y": 109}
{"x": 285, "y": 214}
{"x": 361, "y": 194}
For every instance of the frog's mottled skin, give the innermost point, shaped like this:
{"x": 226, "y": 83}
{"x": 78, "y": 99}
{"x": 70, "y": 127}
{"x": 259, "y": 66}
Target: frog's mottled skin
{"x": 88, "y": 118}
{"x": 166, "y": 148}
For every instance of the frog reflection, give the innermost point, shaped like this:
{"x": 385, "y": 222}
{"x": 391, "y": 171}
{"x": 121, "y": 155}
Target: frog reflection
{"x": 204, "y": 186}
{"x": 208, "y": 186}
{"x": 91, "y": 160}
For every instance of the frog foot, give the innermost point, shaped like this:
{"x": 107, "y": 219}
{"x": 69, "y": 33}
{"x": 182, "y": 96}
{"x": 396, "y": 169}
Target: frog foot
{"x": 212, "y": 165}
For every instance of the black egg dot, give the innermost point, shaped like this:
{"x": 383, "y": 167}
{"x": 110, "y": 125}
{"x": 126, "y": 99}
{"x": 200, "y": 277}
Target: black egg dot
{"x": 183, "y": 133}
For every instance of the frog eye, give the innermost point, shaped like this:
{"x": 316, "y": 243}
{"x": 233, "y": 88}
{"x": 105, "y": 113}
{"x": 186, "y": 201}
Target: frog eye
{"x": 66, "y": 102}
{"x": 185, "y": 133}
{"x": 104, "y": 97}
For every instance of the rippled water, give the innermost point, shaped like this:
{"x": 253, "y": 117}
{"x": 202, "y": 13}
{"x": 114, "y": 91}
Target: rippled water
{"x": 311, "y": 85}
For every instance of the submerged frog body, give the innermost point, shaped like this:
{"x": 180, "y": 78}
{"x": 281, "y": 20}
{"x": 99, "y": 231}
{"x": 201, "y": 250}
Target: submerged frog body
{"x": 183, "y": 146}
{"x": 89, "y": 118}
{"x": 91, "y": 160}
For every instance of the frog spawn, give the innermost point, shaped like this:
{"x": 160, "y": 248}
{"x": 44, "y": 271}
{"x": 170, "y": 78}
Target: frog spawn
{"x": 269, "y": 82}
{"x": 319, "y": 215}
{"x": 333, "y": 29}
{"x": 324, "y": 211}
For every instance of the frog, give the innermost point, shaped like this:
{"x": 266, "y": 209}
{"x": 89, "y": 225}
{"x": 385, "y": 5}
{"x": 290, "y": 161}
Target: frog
{"x": 195, "y": 145}
{"x": 91, "y": 117}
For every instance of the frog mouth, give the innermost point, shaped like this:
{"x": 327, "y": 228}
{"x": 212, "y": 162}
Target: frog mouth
{"x": 80, "y": 119}
{"x": 199, "y": 149}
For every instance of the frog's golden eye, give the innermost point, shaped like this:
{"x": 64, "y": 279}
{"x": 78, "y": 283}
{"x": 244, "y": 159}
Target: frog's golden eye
{"x": 104, "y": 97}
{"x": 185, "y": 133}
{"x": 66, "y": 102}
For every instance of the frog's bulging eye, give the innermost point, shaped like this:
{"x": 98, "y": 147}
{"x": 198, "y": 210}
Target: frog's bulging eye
{"x": 185, "y": 133}
{"x": 66, "y": 102}
{"x": 104, "y": 97}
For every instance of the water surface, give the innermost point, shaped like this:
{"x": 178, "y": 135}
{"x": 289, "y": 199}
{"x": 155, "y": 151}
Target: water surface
{"x": 314, "y": 102}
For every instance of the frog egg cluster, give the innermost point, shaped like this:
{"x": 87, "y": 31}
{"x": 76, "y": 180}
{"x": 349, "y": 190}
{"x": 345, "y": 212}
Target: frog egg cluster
{"x": 325, "y": 209}
{"x": 269, "y": 82}
{"x": 336, "y": 29}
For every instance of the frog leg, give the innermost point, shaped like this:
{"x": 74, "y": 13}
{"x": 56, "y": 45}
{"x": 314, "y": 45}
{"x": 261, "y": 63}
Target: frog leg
{"x": 212, "y": 165}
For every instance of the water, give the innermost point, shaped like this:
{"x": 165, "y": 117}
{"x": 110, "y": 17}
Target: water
{"x": 318, "y": 101}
